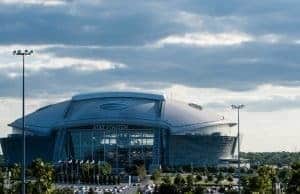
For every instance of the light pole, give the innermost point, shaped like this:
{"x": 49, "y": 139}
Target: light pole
{"x": 238, "y": 107}
{"x": 93, "y": 162}
{"x": 23, "y": 53}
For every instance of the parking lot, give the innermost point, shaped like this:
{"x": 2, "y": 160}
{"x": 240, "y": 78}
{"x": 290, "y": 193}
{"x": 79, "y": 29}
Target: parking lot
{"x": 82, "y": 189}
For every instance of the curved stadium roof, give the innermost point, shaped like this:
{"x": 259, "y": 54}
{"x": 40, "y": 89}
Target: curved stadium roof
{"x": 120, "y": 107}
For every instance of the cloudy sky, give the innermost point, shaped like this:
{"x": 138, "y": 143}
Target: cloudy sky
{"x": 205, "y": 52}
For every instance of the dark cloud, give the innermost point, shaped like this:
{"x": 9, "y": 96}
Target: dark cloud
{"x": 122, "y": 32}
{"x": 234, "y": 68}
{"x": 84, "y": 24}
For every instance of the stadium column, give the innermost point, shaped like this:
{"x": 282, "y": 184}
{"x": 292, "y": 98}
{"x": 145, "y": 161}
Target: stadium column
{"x": 156, "y": 153}
{"x": 104, "y": 143}
{"x": 59, "y": 144}
{"x": 156, "y": 150}
{"x": 129, "y": 147}
{"x": 117, "y": 150}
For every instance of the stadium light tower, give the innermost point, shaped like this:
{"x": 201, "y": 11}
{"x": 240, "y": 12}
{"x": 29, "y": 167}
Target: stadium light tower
{"x": 23, "y": 53}
{"x": 238, "y": 107}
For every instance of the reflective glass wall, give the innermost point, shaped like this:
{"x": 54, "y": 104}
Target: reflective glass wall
{"x": 120, "y": 145}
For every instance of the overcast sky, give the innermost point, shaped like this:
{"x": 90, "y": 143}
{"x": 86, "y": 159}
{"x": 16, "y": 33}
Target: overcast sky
{"x": 211, "y": 52}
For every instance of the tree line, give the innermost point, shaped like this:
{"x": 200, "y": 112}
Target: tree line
{"x": 262, "y": 179}
{"x": 271, "y": 158}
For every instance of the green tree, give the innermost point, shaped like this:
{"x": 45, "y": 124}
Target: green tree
{"x": 2, "y": 178}
{"x": 179, "y": 180}
{"x": 284, "y": 175}
{"x": 105, "y": 169}
{"x": 16, "y": 172}
{"x": 294, "y": 182}
{"x": 272, "y": 158}
{"x": 267, "y": 174}
{"x": 156, "y": 176}
{"x": 86, "y": 169}
{"x": 262, "y": 182}
{"x": 230, "y": 179}
{"x": 167, "y": 180}
{"x": 168, "y": 189}
{"x": 190, "y": 180}
{"x": 210, "y": 177}
{"x": 141, "y": 171}
{"x": 190, "y": 184}
{"x": 43, "y": 174}
{"x": 199, "y": 177}
{"x": 15, "y": 179}
{"x": 199, "y": 190}
{"x": 220, "y": 177}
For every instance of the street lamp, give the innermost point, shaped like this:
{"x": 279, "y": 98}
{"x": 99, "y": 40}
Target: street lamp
{"x": 23, "y": 53}
{"x": 238, "y": 107}
{"x": 93, "y": 161}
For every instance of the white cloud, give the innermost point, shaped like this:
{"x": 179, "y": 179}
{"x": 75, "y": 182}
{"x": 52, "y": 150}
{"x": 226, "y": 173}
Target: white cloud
{"x": 205, "y": 39}
{"x": 47, "y": 61}
{"x": 221, "y": 96}
{"x": 53, "y": 62}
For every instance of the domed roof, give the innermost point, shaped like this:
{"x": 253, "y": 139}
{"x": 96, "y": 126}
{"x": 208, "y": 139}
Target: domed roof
{"x": 120, "y": 107}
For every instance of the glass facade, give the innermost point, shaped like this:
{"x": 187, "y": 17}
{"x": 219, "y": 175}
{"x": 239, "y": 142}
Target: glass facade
{"x": 120, "y": 145}
{"x": 200, "y": 150}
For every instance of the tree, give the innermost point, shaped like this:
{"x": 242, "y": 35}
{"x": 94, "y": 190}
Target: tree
{"x": 190, "y": 180}
{"x": 141, "y": 171}
{"x": 220, "y": 177}
{"x": 210, "y": 178}
{"x": 267, "y": 174}
{"x": 262, "y": 182}
{"x": 15, "y": 177}
{"x": 199, "y": 177}
{"x": 294, "y": 182}
{"x": 284, "y": 175}
{"x": 230, "y": 179}
{"x": 168, "y": 188}
{"x": 2, "y": 178}
{"x": 190, "y": 184}
{"x": 30, "y": 188}
{"x": 86, "y": 171}
{"x": 43, "y": 174}
{"x": 199, "y": 190}
{"x": 179, "y": 180}
{"x": 105, "y": 168}
{"x": 167, "y": 180}
{"x": 272, "y": 158}
{"x": 231, "y": 169}
{"x": 16, "y": 172}
{"x": 156, "y": 176}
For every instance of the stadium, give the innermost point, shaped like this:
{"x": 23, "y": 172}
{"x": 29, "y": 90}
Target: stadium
{"x": 123, "y": 128}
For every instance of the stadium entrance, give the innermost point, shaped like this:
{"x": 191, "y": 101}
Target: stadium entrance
{"x": 122, "y": 146}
